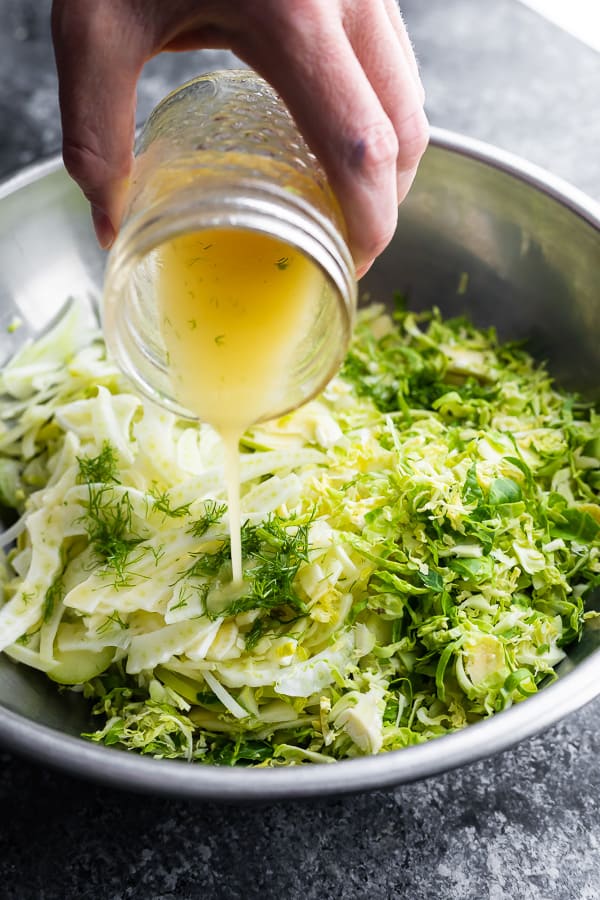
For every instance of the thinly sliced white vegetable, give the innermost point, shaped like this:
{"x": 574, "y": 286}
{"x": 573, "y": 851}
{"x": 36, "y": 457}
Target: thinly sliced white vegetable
{"x": 11, "y": 534}
{"x": 272, "y": 494}
{"x": 29, "y": 657}
{"x": 157, "y": 647}
{"x": 306, "y": 678}
{"x": 106, "y": 417}
{"x": 252, "y": 465}
{"x": 25, "y": 608}
{"x": 33, "y": 367}
{"x": 225, "y": 697}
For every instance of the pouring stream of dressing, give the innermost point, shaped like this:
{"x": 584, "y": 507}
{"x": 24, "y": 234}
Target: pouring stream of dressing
{"x": 235, "y": 307}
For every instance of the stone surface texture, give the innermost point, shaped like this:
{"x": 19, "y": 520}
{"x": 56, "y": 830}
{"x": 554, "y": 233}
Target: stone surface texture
{"x": 521, "y": 826}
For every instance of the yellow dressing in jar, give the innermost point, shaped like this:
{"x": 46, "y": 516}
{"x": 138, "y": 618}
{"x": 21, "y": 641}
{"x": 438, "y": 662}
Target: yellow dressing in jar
{"x": 234, "y": 307}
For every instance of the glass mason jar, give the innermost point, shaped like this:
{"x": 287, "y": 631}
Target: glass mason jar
{"x": 222, "y": 156}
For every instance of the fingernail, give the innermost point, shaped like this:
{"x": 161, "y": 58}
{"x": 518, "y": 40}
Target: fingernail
{"x": 105, "y": 233}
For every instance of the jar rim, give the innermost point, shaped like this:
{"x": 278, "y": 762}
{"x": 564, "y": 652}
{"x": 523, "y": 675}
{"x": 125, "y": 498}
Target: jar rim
{"x": 246, "y": 204}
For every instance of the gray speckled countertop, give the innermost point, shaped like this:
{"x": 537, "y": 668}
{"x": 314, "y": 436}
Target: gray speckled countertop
{"x": 523, "y": 825}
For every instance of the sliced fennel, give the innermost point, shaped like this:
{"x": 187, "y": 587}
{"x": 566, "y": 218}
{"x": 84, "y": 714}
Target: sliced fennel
{"x": 418, "y": 546}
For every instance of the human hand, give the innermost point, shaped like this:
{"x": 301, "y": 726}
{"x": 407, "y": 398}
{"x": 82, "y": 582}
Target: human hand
{"x": 344, "y": 68}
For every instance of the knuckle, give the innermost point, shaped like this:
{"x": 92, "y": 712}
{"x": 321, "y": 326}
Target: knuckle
{"x": 278, "y": 20}
{"x": 413, "y": 139}
{"x": 86, "y": 161}
{"x": 72, "y": 25}
{"x": 374, "y": 243}
{"x": 382, "y": 239}
{"x": 300, "y": 11}
{"x": 376, "y": 148}
{"x": 90, "y": 169}
{"x": 81, "y": 162}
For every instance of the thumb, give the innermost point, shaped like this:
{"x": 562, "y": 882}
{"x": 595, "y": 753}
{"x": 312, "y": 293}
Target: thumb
{"x": 99, "y": 56}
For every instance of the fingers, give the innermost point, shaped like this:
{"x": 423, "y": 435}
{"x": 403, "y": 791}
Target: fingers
{"x": 388, "y": 60}
{"x": 345, "y": 68}
{"x": 395, "y": 19}
{"x": 364, "y": 120}
{"x": 99, "y": 55}
{"x": 100, "y": 49}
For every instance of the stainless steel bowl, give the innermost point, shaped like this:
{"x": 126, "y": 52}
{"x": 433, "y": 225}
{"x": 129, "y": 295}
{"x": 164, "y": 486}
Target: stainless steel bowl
{"x": 482, "y": 232}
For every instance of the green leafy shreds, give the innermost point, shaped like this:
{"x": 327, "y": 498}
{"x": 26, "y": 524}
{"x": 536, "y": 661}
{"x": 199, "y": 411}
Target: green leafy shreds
{"x": 161, "y": 730}
{"x": 152, "y": 728}
{"x": 489, "y": 551}
{"x": 134, "y": 720}
{"x": 406, "y": 368}
{"x": 427, "y": 572}
{"x": 241, "y": 751}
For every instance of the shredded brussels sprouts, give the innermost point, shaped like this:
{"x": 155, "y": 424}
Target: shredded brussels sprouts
{"x": 418, "y": 545}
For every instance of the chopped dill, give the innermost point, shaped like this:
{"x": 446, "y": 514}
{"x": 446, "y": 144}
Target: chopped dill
{"x": 259, "y": 627}
{"x": 113, "y": 619}
{"x": 213, "y": 513}
{"x": 53, "y": 596}
{"x": 101, "y": 468}
{"x": 209, "y": 564}
{"x": 162, "y": 503}
{"x": 157, "y": 553}
{"x": 109, "y": 524}
{"x": 282, "y": 263}
{"x": 181, "y": 603}
{"x": 202, "y": 590}
{"x": 278, "y": 550}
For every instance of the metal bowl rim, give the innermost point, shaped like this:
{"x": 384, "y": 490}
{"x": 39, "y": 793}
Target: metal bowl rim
{"x": 175, "y": 778}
